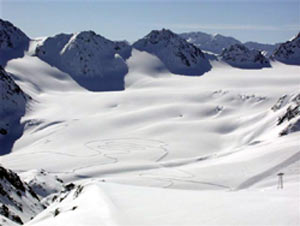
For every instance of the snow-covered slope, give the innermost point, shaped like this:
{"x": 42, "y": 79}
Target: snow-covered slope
{"x": 179, "y": 56}
{"x": 289, "y": 52}
{"x": 13, "y": 42}
{"x": 213, "y": 43}
{"x": 101, "y": 203}
{"x": 12, "y": 108}
{"x": 18, "y": 201}
{"x": 240, "y": 56}
{"x": 167, "y": 150}
{"x": 95, "y": 62}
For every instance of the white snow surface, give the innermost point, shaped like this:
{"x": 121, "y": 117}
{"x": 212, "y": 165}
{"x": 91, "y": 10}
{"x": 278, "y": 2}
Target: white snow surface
{"x": 168, "y": 150}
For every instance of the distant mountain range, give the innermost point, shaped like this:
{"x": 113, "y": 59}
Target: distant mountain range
{"x": 216, "y": 43}
{"x": 99, "y": 64}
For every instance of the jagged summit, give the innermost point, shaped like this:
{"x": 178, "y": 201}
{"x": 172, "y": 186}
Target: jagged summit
{"x": 13, "y": 42}
{"x": 11, "y": 36}
{"x": 178, "y": 55}
{"x": 95, "y": 62}
{"x": 240, "y": 56}
{"x": 289, "y": 52}
{"x": 156, "y": 36}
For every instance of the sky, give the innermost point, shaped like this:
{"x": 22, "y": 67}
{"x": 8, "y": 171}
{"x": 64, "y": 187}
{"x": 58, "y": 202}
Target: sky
{"x": 266, "y": 21}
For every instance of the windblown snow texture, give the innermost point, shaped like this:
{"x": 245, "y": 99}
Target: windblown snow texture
{"x": 179, "y": 56}
{"x": 167, "y": 150}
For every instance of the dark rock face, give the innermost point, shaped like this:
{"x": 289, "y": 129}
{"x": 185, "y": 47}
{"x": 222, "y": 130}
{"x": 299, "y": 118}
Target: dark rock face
{"x": 8, "y": 214}
{"x": 12, "y": 108}
{"x": 178, "y": 55}
{"x": 12, "y": 178}
{"x": 13, "y": 42}
{"x": 240, "y": 56}
{"x": 288, "y": 52}
{"x": 123, "y": 48}
{"x": 16, "y": 197}
{"x": 291, "y": 113}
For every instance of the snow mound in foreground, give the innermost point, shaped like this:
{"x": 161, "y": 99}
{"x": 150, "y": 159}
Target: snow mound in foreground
{"x": 178, "y": 55}
{"x": 240, "y": 56}
{"x": 95, "y": 62}
{"x": 289, "y": 52}
{"x": 96, "y": 203}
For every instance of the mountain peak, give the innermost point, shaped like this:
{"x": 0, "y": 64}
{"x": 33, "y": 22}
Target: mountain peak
{"x": 10, "y": 36}
{"x": 95, "y": 62}
{"x": 178, "y": 55}
{"x": 13, "y": 42}
{"x": 238, "y": 55}
{"x": 157, "y": 35}
{"x": 289, "y": 52}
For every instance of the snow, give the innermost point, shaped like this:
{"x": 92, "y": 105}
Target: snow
{"x": 207, "y": 136}
{"x": 166, "y": 150}
{"x": 112, "y": 204}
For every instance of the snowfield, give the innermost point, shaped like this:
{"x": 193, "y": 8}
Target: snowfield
{"x": 167, "y": 150}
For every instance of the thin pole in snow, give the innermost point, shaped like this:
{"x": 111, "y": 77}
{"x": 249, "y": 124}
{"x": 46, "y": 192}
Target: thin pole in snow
{"x": 280, "y": 180}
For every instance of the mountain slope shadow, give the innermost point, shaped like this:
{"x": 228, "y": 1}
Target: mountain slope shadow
{"x": 179, "y": 56}
{"x": 12, "y": 108}
{"x": 13, "y": 42}
{"x": 93, "y": 61}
